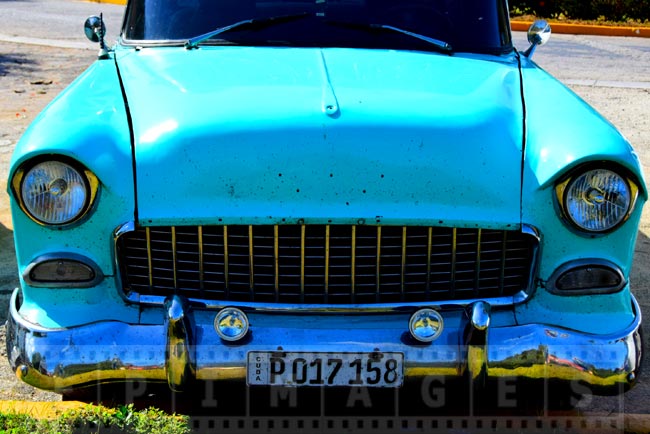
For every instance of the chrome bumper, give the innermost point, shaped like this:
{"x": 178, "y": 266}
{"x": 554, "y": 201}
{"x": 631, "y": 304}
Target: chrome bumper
{"x": 185, "y": 348}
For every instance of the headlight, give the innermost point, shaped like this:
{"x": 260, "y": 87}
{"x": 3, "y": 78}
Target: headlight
{"x": 55, "y": 193}
{"x": 597, "y": 200}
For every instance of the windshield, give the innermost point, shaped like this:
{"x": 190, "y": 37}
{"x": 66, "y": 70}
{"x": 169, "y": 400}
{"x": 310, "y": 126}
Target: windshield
{"x": 466, "y": 25}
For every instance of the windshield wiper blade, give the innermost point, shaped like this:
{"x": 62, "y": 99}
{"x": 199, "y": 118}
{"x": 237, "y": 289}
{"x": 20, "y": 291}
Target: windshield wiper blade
{"x": 254, "y": 23}
{"x": 443, "y": 46}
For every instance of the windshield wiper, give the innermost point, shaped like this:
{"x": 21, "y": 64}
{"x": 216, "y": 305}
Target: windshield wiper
{"x": 440, "y": 45}
{"x": 253, "y": 23}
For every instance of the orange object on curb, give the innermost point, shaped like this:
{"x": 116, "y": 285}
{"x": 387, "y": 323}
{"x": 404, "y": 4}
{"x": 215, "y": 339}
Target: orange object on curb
{"x": 584, "y": 29}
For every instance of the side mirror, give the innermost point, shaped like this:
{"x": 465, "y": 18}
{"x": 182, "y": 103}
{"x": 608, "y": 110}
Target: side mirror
{"x": 538, "y": 34}
{"x": 95, "y": 31}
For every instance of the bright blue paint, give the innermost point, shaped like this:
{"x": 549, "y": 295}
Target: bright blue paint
{"x": 215, "y": 127}
{"x": 562, "y": 133}
{"x": 86, "y": 122}
{"x": 240, "y": 134}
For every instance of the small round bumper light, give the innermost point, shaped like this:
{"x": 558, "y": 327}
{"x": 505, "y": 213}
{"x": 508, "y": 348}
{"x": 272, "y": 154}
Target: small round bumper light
{"x": 426, "y": 325}
{"x": 231, "y": 324}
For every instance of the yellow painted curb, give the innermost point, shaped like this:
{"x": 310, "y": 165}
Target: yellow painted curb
{"x": 584, "y": 29}
{"x": 40, "y": 410}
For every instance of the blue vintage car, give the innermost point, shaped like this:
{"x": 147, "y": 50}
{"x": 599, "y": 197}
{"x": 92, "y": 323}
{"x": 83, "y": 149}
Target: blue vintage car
{"x": 336, "y": 193}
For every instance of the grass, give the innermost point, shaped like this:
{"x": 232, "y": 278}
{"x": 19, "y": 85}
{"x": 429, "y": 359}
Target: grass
{"x": 97, "y": 419}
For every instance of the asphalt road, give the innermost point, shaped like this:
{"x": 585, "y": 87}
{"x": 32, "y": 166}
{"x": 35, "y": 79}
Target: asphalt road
{"x": 56, "y": 20}
{"x": 612, "y": 74}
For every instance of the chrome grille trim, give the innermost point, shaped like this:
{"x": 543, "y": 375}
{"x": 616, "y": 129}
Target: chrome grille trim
{"x": 327, "y": 262}
{"x": 206, "y": 264}
{"x": 174, "y": 257}
{"x": 303, "y": 231}
{"x": 353, "y": 264}
{"x": 226, "y": 255}
{"x": 276, "y": 261}
{"x": 148, "y": 235}
{"x": 200, "y": 245}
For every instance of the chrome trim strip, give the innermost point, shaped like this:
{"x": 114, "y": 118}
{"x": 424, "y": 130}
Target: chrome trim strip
{"x": 429, "y": 251}
{"x": 276, "y": 262}
{"x": 353, "y": 267}
{"x": 148, "y": 232}
{"x": 123, "y": 229}
{"x": 403, "y": 264}
{"x": 303, "y": 230}
{"x": 327, "y": 262}
{"x": 174, "y": 257}
{"x": 477, "y": 269}
{"x": 532, "y": 231}
{"x": 378, "y": 265}
{"x": 499, "y": 302}
{"x": 454, "y": 240}
{"x": 226, "y": 261}
{"x": 251, "y": 263}
{"x": 201, "y": 258}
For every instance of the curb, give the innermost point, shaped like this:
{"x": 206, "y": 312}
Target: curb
{"x": 584, "y": 29}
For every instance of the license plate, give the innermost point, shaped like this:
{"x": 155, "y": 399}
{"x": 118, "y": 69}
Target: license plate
{"x": 298, "y": 369}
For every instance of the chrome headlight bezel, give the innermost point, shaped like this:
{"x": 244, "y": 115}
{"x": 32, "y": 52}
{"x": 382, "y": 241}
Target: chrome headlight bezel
{"x": 89, "y": 180}
{"x": 564, "y": 186}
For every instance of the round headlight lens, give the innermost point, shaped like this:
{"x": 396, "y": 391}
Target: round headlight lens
{"x": 54, "y": 192}
{"x": 597, "y": 200}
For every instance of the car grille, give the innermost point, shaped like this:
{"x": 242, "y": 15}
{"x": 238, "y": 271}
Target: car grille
{"x": 325, "y": 264}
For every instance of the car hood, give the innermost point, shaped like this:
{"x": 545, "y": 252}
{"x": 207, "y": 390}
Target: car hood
{"x": 244, "y": 135}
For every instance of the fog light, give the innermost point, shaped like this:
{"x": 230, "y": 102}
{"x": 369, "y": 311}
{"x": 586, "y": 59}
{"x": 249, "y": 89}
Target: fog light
{"x": 62, "y": 270}
{"x": 426, "y": 325}
{"x": 586, "y": 276}
{"x": 231, "y": 324}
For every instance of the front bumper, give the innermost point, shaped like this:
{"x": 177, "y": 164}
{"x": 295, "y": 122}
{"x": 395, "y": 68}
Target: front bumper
{"x": 185, "y": 348}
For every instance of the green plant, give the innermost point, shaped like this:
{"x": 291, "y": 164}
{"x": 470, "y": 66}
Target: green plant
{"x": 97, "y": 420}
{"x": 14, "y": 423}
{"x": 123, "y": 419}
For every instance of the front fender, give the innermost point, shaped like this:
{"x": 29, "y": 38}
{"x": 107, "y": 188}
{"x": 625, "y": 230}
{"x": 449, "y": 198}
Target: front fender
{"x": 87, "y": 122}
{"x": 563, "y": 132}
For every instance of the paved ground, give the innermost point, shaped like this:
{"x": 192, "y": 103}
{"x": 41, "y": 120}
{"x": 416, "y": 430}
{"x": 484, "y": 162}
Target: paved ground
{"x": 31, "y": 75}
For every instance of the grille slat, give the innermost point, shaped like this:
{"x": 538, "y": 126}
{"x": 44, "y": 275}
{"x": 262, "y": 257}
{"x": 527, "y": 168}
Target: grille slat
{"x": 328, "y": 264}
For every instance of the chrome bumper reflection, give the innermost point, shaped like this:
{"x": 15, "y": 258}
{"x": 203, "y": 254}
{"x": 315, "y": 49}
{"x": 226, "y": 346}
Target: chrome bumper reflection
{"x": 186, "y": 348}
